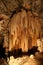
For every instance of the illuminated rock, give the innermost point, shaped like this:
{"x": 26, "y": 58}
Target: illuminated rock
{"x": 40, "y": 44}
{"x": 31, "y": 56}
{"x": 24, "y": 30}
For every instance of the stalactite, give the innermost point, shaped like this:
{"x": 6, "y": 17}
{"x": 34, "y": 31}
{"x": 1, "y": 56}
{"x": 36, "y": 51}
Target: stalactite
{"x": 25, "y": 29}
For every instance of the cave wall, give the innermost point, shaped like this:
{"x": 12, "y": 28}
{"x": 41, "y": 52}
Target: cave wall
{"x": 4, "y": 31}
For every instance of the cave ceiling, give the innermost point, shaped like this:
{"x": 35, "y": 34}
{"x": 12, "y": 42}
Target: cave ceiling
{"x": 8, "y": 6}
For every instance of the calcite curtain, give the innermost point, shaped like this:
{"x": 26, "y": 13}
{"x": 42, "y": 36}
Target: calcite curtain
{"x": 24, "y": 30}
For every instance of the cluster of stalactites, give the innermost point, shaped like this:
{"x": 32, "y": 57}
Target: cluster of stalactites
{"x": 24, "y": 30}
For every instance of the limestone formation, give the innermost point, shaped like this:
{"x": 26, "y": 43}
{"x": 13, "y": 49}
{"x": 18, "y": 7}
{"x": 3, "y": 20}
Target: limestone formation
{"x": 24, "y": 30}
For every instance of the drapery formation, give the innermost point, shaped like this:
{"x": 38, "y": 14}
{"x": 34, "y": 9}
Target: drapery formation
{"x": 24, "y": 30}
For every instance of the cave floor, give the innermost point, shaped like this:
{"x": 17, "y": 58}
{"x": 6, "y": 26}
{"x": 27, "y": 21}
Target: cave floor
{"x": 25, "y": 60}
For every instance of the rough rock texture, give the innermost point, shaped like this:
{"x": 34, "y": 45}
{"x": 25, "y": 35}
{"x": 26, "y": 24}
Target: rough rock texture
{"x": 27, "y": 60}
{"x": 9, "y": 7}
{"x": 12, "y": 7}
